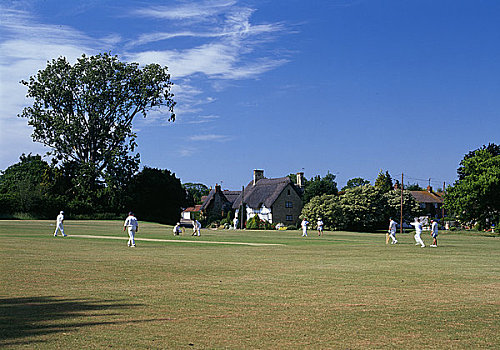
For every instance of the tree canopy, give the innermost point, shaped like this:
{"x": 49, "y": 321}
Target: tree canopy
{"x": 361, "y": 208}
{"x": 84, "y": 112}
{"x": 318, "y": 186}
{"x": 384, "y": 181}
{"x": 355, "y": 182}
{"x": 475, "y": 196}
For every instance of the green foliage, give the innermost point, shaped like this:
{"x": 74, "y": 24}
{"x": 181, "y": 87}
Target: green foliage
{"x": 25, "y": 187}
{"x": 256, "y": 223}
{"x": 411, "y": 208}
{"x": 355, "y": 182}
{"x": 414, "y": 187}
{"x": 319, "y": 186}
{"x": 327, "y": 207}
{"x": 475, "y": 195}
{"x": 156, "y": 195}
{"x": 195, "y": 191}
{"x": 384, "y": 182}
{"x": 84, "y": 113}
{"x": 361, "y": 208}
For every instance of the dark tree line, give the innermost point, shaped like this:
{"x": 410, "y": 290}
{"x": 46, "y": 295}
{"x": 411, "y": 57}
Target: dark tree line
{"x": 34, "y": 187}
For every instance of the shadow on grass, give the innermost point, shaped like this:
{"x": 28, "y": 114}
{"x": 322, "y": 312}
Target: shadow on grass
{"x": 22, "y": 318}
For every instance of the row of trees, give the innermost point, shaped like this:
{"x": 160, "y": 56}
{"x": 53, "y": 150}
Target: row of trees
{"x": 361, "y": 208}
{"x": 35, "y": 187}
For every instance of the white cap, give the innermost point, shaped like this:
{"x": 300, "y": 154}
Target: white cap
{"x": 61, "y": 212}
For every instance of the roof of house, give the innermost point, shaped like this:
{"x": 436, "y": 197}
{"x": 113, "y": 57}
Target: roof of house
{"x": 195, "y": 208}
{"x": 231, "y": 195}
{"x": 426, "y": 197}
{"x": 264, "y": 192}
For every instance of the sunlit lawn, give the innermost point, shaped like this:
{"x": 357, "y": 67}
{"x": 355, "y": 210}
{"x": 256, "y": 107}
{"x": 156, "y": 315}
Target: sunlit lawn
{"x": 343, "y": 290}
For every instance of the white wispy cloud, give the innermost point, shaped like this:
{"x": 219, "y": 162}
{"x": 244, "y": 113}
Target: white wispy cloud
{"x": 201, "y": 10}
{"x": 210, "y": 137}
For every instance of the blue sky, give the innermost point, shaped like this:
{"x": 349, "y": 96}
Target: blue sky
{"x": 342, "y": 86}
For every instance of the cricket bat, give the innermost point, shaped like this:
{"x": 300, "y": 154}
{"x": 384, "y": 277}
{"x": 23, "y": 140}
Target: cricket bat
{"x": 387, "y": 238}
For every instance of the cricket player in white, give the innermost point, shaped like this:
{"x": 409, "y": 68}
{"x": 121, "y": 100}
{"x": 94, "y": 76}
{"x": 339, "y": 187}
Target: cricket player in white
{"x": 320, "y": 227}
{"x": 304, "y": 227}
{"x": 392, "y": 231}
{"x": 418, "y": 232}
{"x": 59, "y": 224}
{"x": 196, "y": 228}
{"x": 177, "y": 229}
{"x": 133, "y": 226}
{"x": 434, "y": 233}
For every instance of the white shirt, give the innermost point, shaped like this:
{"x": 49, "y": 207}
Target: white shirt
{"x": 392, "y": 226}
{"x": 418, "y": 227}
{"x": 131, "y": 221}
{"x": 60, "y": 219}
{"x": 304, "y": 223}
{"x": 434, "y": 227}
{"x": 320, "y": 223}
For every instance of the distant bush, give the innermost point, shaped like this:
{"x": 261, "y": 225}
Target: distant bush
{"x": 256, "y": 223}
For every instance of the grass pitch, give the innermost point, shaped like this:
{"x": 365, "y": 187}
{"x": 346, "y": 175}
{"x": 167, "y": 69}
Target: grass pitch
{"x": 340, "y": 291}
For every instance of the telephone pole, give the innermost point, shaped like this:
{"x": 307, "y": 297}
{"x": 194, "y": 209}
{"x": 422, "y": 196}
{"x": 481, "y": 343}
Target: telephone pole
{"x": 401, "y": 217}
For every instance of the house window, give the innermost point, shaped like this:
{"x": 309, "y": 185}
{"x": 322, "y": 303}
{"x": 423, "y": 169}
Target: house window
{"x": 288, "y": 205}
{"x": 289, "y": 218}
{"x": 288, "y": 192}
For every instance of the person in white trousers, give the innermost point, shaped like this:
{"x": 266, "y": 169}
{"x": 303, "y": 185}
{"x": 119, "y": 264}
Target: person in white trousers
{"x": 392, "y": 231}
{"x": 418, "y": 232}
{"x": 304, "y": 227}
{"x": 59, "y": 224}
{"x": 196, "y": 228}
{"x": 320, "y": 227}
{"x": 133, "y": 226}
{"x": 434, "y": 233}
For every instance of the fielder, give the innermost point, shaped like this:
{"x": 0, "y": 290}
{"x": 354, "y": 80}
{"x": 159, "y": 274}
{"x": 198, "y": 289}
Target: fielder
{"x": 320, "y": 227}
{"x": 196, "y": 228}
{"x": 392, "y": 232}
{"x": 418, "y": 232}
{"x": 59, "y": 224}
{"x": 133, "y": 226}
{"x": 304, "y": 224}
{"x": 434, "y": 233}
{"x": 177, "y": 229}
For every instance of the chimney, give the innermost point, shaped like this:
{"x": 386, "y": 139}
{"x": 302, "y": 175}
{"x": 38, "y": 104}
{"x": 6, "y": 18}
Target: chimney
{"x": 429, "y": 189}
{"x": 257, "y": 175}
{"x": 217, "y": 188}
{"x": 300, "y": 180}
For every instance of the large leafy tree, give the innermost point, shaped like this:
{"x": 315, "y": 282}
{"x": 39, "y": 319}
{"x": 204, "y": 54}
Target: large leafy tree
{"x": 383, "y": 181}
{"x": 156, "y": 195}
{"x": 84, "y": 113}
{"x": 475, "y": 196}
{"x": 355, "y": 182}
{"x": 318, "y": 186}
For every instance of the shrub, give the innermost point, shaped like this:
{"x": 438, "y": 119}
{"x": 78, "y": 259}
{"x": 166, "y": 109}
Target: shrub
{"x": 256, "y": 223}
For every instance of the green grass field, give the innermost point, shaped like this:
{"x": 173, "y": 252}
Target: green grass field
{"x": 341, "y": 291}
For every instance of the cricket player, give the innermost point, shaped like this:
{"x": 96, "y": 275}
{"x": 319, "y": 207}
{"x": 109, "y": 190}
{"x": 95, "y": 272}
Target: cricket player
{"x": 196, "y": 228}
{"x": 392, "y": 232}
{"x": 418, "y": 232}
{"x": 320, "y": 227}
{"x": 59, "y": 224}
{"x": 133, "y": 226}
{"x": 177, "y": 229}
{"x": 304, "y": 224}
{"x": 434, "y": 233}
